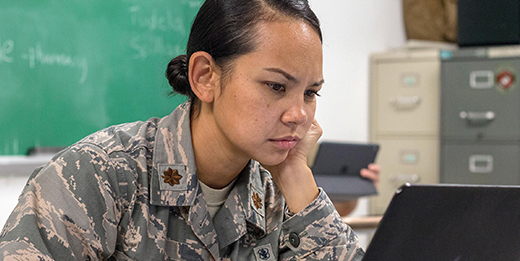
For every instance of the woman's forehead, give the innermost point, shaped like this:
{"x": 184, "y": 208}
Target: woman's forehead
{"x": 291, "y": 43}
{"x": 287, "y": 38}
{"x": 286, "y": 32}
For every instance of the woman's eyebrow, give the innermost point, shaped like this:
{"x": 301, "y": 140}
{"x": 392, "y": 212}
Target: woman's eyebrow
{"x": 284, "y": 73}
{"x": 290, "y": 77}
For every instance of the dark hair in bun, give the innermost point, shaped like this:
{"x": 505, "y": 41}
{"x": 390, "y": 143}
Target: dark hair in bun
{"x": 226, "y": 29}
{"x": 177, "y": 75}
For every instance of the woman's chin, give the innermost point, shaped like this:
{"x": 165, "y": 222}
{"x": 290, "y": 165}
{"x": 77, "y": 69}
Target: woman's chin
{"x": 272, "y": 160}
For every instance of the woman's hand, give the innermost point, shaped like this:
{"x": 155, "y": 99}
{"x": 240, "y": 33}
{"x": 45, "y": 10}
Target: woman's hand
{"x": 293, "y": 177}
{"x": 372, "y": 173}
{"x": 304, "y": 147}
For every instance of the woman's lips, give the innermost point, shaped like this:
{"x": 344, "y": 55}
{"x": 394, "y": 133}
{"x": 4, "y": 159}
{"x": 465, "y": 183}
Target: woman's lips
{"x": 286, "y": 143}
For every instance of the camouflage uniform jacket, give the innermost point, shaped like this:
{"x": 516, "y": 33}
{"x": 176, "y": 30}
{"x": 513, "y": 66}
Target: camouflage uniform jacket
{"x": 130, "y": 192}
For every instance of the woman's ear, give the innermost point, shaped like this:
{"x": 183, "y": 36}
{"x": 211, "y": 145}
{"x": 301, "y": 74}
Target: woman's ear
{"x": 203, "y": 76}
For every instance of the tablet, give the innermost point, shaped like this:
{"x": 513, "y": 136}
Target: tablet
{"x": 337, "y": 169}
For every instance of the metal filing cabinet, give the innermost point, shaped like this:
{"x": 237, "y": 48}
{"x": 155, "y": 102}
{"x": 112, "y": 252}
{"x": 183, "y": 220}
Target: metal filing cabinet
{"x": 404, "y": 119}
{"x": 480, "y": 116}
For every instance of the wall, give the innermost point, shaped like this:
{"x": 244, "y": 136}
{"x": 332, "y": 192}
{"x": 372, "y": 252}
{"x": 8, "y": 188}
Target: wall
{"x": 352, "y": 30}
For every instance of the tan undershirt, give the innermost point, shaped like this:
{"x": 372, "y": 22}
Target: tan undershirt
{"x": 215, "y": 198}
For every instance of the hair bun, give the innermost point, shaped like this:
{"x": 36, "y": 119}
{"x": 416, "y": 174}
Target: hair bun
{"x": 177, "y": 75}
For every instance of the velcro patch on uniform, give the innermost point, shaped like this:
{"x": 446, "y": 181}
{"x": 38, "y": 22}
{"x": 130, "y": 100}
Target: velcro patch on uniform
{"x": 171, "y": 176}
{"x": 264, "y": 253}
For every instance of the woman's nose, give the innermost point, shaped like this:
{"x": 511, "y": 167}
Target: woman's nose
{"x": 295, "y": 114}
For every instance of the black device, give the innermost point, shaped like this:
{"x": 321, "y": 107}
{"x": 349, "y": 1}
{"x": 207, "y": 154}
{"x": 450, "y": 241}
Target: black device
{"x": 337, "y": 169}
{"x": 488, "y": 22}
{"x": 449, "y": 223}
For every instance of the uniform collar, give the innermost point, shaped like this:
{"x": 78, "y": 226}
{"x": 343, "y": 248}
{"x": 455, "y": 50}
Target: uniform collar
{"x": 245, "y": 205}
{"x": 174, "y": 162}
{"x": 173, "y": 178}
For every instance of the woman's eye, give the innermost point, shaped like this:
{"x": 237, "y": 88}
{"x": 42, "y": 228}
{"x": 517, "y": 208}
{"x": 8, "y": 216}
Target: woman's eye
{"x": 311, "y": 93}
{"x": 276, "y": 87}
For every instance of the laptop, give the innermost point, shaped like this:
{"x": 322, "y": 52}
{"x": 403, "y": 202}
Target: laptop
{"x": 337, "y": 169}
{"x": 449, "y": 223}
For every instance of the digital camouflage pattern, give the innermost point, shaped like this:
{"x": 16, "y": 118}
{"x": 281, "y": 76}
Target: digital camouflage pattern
{"x": 113, "y": 196}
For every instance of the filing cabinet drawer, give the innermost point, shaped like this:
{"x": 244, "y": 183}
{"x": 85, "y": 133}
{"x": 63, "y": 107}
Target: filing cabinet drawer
{"x": 480, "y": 100}
{"x": 480, "y": 164}
{"x": 404, "y": 161}
{"x": 407, "y": 97}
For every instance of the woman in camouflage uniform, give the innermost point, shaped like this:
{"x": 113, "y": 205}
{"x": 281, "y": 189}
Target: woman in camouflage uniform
{"x": 224, "y": 177}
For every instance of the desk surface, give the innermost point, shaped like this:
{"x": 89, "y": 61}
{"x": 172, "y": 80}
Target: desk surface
{"x": 370, "y": 222}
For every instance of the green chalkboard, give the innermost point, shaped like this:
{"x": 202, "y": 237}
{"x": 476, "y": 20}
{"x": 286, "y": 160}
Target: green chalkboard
{"x": 69, "y": 68}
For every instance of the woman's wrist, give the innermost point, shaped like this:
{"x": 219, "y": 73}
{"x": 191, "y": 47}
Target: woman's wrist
{"x": 297, "y": 185}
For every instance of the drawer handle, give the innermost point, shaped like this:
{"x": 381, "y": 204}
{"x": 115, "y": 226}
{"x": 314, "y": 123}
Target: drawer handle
{"x": 477, "y": 117}
{"x": 481, "y": 163}
{"x": 482, "y": 79}
{"x": 399, "y": 179}
{"x": 401, "y": 102}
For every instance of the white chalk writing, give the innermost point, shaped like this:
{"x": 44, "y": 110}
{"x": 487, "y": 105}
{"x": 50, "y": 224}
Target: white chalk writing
{"x": 36, "y": 56}
{"x": 6, "y": 48}
{"x": 156, "y": 21}
{"x": 145, "y": 47}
